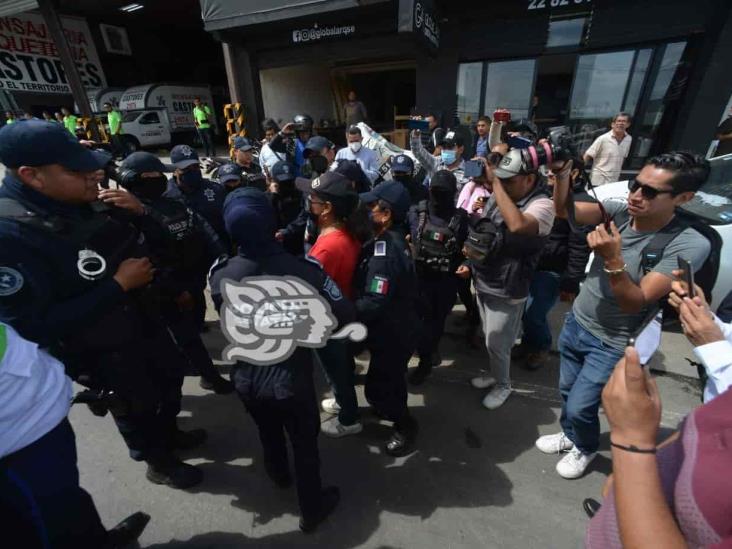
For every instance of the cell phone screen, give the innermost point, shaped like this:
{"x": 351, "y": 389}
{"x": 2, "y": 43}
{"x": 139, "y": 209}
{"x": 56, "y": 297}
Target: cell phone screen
{"x": 473, "y": 168}
{"x": 687, "y": 276}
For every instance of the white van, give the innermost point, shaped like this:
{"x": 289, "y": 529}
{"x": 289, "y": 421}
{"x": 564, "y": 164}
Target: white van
{"x": 161, "y": 115}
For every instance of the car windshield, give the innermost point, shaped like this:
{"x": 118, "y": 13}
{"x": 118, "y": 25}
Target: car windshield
{"x": 713, "y": 202}
{"x": 130, "y": 116}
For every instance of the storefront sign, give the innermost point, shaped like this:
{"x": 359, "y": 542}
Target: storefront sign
{"x": 316, "y": 33}
{"x": 29, "y": 59}
{"x": 555, "y": 4}
{"x": 420, "y": 17}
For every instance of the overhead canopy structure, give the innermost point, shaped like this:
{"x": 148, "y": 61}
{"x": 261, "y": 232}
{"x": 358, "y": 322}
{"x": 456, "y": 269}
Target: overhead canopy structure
{"x": 226, "y": 14}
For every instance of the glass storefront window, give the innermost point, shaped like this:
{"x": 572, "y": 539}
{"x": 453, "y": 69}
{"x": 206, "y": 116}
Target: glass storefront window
{"x": 669, "y": 63}
{"x": 642, "y": 59}
{"x": 509, "y": 85}
{"x": 566, "y": 32}
{"x": 599, "y": 85}
{"x": 468, "y": 92}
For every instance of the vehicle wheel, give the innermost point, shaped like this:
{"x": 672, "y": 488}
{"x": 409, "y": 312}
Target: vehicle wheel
{"x": 131, "y": 145}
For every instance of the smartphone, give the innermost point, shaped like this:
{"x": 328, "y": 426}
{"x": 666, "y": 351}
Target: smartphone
{"x": 687, "y": 276}
{"x": 647, "y": 338}
{"x": 518, "y": 142}
{"x": 474, "y": 168}
{"x": 415, "y": 124}
{"x": 502, "y": 115}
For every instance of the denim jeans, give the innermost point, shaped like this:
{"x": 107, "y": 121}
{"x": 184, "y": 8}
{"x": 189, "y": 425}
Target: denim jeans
{"x": 338, "y": 365}
{"x": 501, "y": 322}
{"x": 586, "y": 364}
{"x": 543, "y": 295}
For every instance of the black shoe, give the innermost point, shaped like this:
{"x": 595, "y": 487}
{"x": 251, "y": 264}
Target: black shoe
{"x": 591, "y": 506}
{"x": 330, "y": 498}
{"x": 417, "y": 377}
{"x": 473, "y": 337}
{"x": 174, "y": 473}
{"x": 400, "y": 444}
{"x": 217, "y": 384}
{"x": 282, "y": 479}
{"x": 536, "y": 359}
{"x": 127, "y": 531}
{"x": 185, "y": 440}
{"x": 520, "y": 351}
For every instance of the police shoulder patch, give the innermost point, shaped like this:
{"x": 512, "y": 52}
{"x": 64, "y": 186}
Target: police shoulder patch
{"x": 11, "y": 281}
{"x": 332, "y": 289}
{"x": 380, "y": 248}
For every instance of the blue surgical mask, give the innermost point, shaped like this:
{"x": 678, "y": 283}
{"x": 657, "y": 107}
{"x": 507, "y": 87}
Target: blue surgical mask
{"x": 448, "y": 157}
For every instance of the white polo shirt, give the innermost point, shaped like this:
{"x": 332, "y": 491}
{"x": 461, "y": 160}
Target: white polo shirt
{"x": 608, "y": 156}
{"x": 35, "y": 393}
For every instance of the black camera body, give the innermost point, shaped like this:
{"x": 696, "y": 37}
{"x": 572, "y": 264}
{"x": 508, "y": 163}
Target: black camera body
{"x": 559, "y": 145}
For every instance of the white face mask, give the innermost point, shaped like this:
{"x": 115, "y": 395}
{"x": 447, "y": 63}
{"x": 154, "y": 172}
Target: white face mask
{"x": 355, "y": 146}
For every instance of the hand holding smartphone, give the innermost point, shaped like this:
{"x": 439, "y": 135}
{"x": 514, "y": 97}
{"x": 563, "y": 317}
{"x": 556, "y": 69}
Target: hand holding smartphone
{"x": 687, "y": 277}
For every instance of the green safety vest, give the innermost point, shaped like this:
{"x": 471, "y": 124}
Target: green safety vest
{"x": 115, "y": 122}
{"x": 70, "y": 123}
{"x": 10, "y": 121}
{"x": 203, "y": 116}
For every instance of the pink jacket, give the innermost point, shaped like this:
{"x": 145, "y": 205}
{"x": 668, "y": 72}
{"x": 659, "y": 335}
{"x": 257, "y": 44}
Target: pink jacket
{"x": 468, "y": 195}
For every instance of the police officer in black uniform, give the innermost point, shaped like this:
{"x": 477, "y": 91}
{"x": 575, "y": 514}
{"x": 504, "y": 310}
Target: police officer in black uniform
{"x": 244, "y": 158}
{"x": 80, "y": 287}
{"x": 387, "y": 301}
{"x": 281, "y": 398}
{"x": 402, "y": 170}
{"x": 288, "y": 204}
{"x": 230, "y": 177}
{"x": 438, "y": 230}
{"x": 187, "y": 246}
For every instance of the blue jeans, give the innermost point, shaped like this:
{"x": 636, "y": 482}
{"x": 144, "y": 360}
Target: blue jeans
{"x": 338, "y": 365}
{"x": 586, "y": 364}
{"x": 543, "y": 295}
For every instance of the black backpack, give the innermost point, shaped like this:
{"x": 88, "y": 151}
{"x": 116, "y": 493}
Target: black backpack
{"x": 484, "y": 242}
{"x": 437, "y": 247}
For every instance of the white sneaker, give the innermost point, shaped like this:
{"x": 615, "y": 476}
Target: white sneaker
{"x": 496, "y": 397}
{"x": 573, "y": 465}
{"x": 330, "y": 406}
{"x": 554, "y": 444}
{"x": 335, "y": 429}
{"x": 483, "y": 382}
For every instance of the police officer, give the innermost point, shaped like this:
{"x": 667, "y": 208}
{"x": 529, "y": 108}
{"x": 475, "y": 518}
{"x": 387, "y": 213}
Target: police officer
{"x": 402, "y": 170}
{"x": 229, "y": 175}
{"x": 74, "y": 278}
{"x": 280, "y": 398}
{"x": 319, "y": 154}
{"x": 288, "y": 204}
{"x": 386, "y": 301}
{"x": 187, "y": 246}
{"x": 188, "y": 184}
{"x": 438, "y": 231}
{"x": 291, "y": 140}
{"x": 244, "y": 158}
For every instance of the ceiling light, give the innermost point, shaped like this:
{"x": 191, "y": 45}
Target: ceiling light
{"x": 129, "y": 8}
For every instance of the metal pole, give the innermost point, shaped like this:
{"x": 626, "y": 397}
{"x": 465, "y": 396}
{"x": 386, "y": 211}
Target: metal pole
{"x": 53, "y": 23}
{"x": 231, "y": 78}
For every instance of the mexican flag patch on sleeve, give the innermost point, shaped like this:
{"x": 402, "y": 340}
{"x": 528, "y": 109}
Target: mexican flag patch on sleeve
{"x": 379, "y": 285}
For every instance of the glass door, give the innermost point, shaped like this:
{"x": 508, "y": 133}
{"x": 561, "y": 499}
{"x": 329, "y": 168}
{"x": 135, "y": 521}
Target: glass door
{"x": 509, "y": 85}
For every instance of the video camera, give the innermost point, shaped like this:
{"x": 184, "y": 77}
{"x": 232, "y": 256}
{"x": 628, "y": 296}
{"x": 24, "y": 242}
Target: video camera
{"x": 559, "y": 145}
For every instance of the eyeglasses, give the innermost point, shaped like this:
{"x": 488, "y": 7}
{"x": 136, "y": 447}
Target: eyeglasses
{"x": 648, "y": 192}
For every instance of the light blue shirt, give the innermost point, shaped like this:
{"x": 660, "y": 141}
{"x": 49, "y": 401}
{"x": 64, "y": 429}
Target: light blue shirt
{"x": 366, "y": 158}
{"x": 35, "y": 393}
{"x": 717, "y": 360}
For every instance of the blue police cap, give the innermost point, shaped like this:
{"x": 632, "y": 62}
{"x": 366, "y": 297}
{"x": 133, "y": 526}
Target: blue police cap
{"x": 283, "y": 171}
{"x": 242, "y": 144}
{"x": 392, "y": 192}
{"x": 316, "y": 144}
{"x": 229, "y": 172}
{"x": 182, "y": 156}
{"x": 41, "y": 143}
{"x": 401, "y": 163}
{"x": 144, "y": 162}
{"x": 104, "y": 157}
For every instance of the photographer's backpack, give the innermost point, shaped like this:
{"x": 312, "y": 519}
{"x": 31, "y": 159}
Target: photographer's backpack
{"x": 437, "y": 246}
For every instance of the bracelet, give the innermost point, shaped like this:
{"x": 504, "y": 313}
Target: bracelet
{"x": 633, "y": 449}
{"x": 613, "y": 272}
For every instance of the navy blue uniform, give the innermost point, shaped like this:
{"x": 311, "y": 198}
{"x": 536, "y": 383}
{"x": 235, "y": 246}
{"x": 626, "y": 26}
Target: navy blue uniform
{"x": 281, "y": 398}
{"x": 437, "y": 288}
{"x": 79, "y": 312}
{"x": 207, "y": 201}
{"x": 386, "y": 302}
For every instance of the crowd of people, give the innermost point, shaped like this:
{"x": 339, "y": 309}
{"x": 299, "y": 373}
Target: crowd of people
{"x": 103, "y": 270}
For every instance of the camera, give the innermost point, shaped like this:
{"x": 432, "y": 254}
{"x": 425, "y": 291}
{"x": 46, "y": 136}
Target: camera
{"x": 559, "y": 145}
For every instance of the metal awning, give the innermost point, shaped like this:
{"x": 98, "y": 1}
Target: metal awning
{"x": 227, "y": 14}
{"x": 14, "y": 7}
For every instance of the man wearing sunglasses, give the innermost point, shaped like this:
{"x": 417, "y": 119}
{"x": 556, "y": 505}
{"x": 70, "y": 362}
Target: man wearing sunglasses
{"x": 623, "y": 286}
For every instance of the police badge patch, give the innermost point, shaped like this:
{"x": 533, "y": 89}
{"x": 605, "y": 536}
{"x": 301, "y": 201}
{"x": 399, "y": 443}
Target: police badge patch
{"x": 11, "y": 281}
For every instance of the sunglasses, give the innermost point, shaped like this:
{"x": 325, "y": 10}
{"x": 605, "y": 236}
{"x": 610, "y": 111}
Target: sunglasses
{"x": 648, "y": 192}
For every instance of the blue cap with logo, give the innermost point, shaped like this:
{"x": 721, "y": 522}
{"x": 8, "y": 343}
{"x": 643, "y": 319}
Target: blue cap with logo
{"x": 144, "y": 162}
{"x": 242, "y": 144}
{"x": 392, "y": 192}
{"x": 182, "y": 156}
{"x": 316, "y": 144}
{"x": 283, "y": 171}
{"x": 229, "y": 172}
{"x": 41, "y": 143}
{"x": 401, "y": 163}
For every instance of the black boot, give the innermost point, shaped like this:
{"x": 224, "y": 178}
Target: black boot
{"x": 185, "y": 440}
{"x": 422, "y": 372}
{"x": 329, "y": 500}
{"x": 217, "y": 384}
{"x": 173, "y": 472}
{"x": 591, "y": 506}
{"x": 402, "y": 439}
{"x": 127, "y": 531}
{"x": 282, "y": 479}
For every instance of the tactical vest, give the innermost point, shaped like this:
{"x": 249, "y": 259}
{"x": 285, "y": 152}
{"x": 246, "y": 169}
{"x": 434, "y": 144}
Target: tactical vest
{"x": 436, "y": 248}
{"x": 509, "y": 268}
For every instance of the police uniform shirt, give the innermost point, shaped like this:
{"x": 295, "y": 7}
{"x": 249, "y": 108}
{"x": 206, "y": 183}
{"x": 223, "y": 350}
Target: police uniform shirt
{"x": 208, "y": 201}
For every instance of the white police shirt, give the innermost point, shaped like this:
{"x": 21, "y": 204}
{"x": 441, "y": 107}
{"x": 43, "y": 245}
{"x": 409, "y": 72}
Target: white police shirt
{"x": 35, "y": 393}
